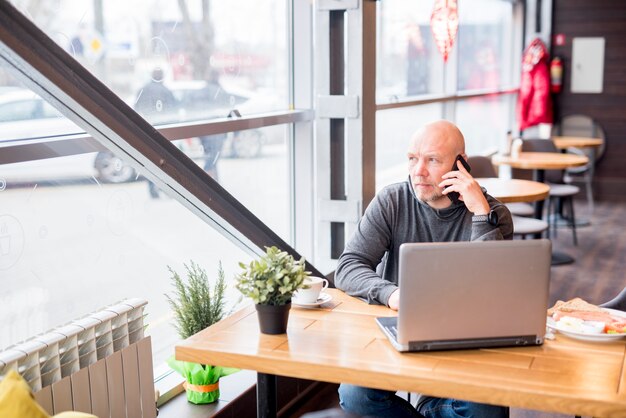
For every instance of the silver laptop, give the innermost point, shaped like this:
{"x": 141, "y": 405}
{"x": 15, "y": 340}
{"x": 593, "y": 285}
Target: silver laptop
{"x": 459, "y": 295}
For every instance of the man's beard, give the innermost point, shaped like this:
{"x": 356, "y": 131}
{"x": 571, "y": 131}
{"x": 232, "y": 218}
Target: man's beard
{"x": 432, "y": 196}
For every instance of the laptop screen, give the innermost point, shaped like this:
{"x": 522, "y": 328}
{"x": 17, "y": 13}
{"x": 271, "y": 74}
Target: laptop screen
{"x": 473, "y": 290}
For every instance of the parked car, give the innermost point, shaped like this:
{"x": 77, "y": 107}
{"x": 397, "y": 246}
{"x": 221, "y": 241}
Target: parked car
{"x": 25, "y": 116}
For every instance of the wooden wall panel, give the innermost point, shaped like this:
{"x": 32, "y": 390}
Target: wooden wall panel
{"x": 598, "y": 18}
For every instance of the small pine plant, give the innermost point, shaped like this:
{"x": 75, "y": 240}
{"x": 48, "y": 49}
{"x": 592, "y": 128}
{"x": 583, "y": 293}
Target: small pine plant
{"x": 195, "y": 305}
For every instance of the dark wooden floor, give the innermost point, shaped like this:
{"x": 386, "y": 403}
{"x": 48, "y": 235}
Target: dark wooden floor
{"x": 598, "y": 273}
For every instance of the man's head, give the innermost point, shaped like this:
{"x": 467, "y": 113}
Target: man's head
{"x": 431, "y": 154}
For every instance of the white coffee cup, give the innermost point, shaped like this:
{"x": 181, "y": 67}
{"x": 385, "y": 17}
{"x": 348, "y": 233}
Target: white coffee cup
{"x": 312, "y": 294}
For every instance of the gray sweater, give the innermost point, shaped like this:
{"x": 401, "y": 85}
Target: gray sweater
{"x": 368, "y": 267}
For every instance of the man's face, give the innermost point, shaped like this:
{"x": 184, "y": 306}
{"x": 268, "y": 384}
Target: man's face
{"x": 430, "y": 156}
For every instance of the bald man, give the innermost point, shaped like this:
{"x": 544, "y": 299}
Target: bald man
{"x": 417, "y": 210}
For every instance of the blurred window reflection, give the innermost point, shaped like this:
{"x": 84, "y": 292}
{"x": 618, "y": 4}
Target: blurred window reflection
{"x": 237, "y": 49}
{"x": 408, "y": 61}
{"x": 484, "y": 122}
{"x": 484, "y": 45}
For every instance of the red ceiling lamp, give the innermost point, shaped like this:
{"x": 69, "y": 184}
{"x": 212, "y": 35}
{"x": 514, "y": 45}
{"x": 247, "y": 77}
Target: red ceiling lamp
{"x": 444, "y": 23}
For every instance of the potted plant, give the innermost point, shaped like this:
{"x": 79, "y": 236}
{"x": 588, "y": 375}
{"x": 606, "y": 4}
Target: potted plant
{"x": 270, "y": 281}
{"x": 196, "y": 306}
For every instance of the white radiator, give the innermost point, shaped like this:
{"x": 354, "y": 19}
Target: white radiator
{"x": 100, "y": 364}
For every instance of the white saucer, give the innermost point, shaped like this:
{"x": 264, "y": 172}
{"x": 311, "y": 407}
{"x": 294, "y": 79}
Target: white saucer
{"x": 324, "y": 297}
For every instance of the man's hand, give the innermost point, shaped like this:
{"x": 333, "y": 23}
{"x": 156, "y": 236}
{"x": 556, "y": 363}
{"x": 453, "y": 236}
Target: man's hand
{"x": 394, "y": 300}
{"x": 471, "y": 194}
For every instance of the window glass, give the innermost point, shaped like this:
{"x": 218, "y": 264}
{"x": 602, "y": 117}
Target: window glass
{"x": 177, "y": 61}
{"x": 47, "y": 111}
{"x": 394, "y": 129}
{"x": 14, "y": 107}
{"x": 484, "y": 44}
{"x": 72, "y": 241}
{"x": 219, "y": 57}
{"x": 253, "y": 166}
{"x": 484, "y": 122}
{"x": 25, "y": 115}
{"x": 82, "y": 231}
{"x": 408, "y": 60}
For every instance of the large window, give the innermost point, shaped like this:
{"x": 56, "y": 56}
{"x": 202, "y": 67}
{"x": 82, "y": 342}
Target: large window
{"x": 86, "y": 229}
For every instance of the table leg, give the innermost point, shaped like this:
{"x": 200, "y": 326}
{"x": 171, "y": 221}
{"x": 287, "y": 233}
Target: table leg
{"x": 266, "y": 395}
{"x": 539, "y": 176}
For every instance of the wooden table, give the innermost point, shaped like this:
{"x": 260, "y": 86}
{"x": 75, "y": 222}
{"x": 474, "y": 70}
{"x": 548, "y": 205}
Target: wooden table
{"x": 564, "y": 142}
{"x": 514, "y": 190}
{"x": 341, "y": 343}
{"x": 539, "y": 162}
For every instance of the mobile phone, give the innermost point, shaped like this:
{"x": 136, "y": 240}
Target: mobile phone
{"x": 454, "y": 196}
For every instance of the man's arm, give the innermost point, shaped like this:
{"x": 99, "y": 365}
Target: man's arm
{"x": 483, "y": 231}
{"x": 356, "y": 270}
{"x": 479, "y": 203}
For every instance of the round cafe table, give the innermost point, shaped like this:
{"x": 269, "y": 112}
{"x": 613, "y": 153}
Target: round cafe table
{"x": 539, "y": 162}
{"x": 514, "y": 190}
{"x": 564, "y": 142}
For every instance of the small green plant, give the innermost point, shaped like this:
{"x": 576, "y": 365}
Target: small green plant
{"x": 273, "y": 278}
{"x": 195, "y": 305}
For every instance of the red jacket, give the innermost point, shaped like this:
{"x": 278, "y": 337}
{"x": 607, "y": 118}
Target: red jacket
{"x": 534, "y": 105}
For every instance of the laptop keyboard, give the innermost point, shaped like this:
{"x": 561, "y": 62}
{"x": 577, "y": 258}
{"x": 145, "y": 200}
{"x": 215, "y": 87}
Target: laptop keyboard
{"x": 389, "y": 325}
{"x": 394, "y": 331}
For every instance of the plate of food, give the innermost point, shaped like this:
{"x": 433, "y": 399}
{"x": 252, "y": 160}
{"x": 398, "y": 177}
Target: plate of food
{"x": 581, "y": 320}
